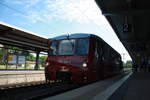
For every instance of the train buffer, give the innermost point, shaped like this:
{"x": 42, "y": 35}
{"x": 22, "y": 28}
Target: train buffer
{"x": 132, "y": 86}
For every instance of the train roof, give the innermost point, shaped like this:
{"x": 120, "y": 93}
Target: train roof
{"x": 75, "y": 35}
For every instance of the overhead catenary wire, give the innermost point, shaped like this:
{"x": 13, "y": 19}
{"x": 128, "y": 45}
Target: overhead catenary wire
{"x": 39, "y": 10}
{"x": 20, "y": 12}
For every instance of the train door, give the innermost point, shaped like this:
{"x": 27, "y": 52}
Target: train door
{"x": 106, "y": 61}
{"x": 98, "y": 58}
{"x": 118, "y": 63}
{"x": 112, "y": 59}
{"x": 94, "y": 58}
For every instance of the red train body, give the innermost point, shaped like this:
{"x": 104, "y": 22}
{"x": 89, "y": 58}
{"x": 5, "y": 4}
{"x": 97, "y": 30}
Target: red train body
{"x": 81, "y": 58}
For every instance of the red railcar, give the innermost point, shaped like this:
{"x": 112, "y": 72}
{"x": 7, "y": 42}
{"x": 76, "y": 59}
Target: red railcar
{"x": 81, "y": 58}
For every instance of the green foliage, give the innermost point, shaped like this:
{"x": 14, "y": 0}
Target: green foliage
{"x": 31, "y": 57}
{"x": 1, "y": 54}
{"x": 124, "y": 64}
{"x": 129, "y": 64}
{"x": 42, "y": 60}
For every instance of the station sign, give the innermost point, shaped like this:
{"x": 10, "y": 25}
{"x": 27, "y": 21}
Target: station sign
{"x": 14, "y": 59}
{"x": 21, "y": 59}
{"x": 127, "y": 28}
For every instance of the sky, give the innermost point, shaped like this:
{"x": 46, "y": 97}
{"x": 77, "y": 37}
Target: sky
{"x": 50, "y": 18}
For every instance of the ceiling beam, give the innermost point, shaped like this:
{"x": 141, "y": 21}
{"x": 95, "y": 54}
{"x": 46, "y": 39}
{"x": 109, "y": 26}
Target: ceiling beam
{"x": 126, "y": 12}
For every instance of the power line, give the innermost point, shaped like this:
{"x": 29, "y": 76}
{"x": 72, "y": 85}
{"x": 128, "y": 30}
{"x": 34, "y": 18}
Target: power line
{"x": 22, "y": 13}
{"x": 82, "y": 13}
{"x": 5, "y": 5}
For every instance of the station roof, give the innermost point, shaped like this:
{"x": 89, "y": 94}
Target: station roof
{"x": 10, "y": 35}
{"x": 130, "y": 19}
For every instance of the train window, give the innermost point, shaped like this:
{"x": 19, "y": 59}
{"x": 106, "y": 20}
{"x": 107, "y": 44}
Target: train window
{"x": 98, "y": 50}
{"x": 53, "y": 48}
{"x": 66, "y": 47}
{"x": 107, "y": 52}
{"x": 70, "y": 47}
{"x": 82, "y": 46}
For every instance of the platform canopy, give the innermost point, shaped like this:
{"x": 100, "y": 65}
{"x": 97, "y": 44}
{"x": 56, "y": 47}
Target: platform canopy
{"x": 130, "y": 19}
{"x": 10, "y": 35}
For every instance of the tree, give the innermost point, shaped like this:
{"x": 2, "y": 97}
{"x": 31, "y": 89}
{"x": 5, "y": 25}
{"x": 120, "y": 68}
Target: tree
{"x": 129, "y": 64}
{"x": 42, "y": 60}
{"x": 31, "y": 57}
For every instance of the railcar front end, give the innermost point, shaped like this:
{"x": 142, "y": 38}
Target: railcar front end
{"x": 68, "y": 60}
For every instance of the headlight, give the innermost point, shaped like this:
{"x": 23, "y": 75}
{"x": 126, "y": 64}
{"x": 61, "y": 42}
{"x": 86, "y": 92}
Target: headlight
{"x": 47, "y": 63}
{"x": 84, "y": 64}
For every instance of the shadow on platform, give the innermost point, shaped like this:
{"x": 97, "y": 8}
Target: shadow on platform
{"x": 135, "y": 88}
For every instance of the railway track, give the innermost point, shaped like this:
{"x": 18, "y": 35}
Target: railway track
{"x": 28, "y": 89}
{"x": 18, "y": 85}
{"x": 37, "y": 91}
{"x": 34, "y": 91}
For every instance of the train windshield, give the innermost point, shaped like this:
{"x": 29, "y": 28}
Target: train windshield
{"x": 66, "y": 47}
{"x": 70, "y": 47}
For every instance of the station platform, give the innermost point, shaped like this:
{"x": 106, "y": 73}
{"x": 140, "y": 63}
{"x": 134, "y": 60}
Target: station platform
{"x": 9, "y": 77}
{"x": 136, "y": 88}
{"x": 101, "y": 90}
{"x": 133, "y": 86}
